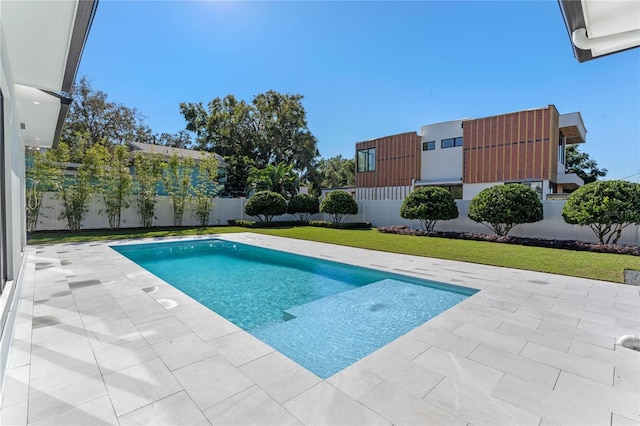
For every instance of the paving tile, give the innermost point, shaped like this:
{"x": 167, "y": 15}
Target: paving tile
{"x": 176, "y": 409}
{"x": 20, "y": 354}
{"x": 491, "y": 338}
{"x": 211, "y": 380}
{"x": 618, "y": 420}
{"x": 355, "y": 381}
{"x": 212, "y": 326}
{"x": 394, "y": 404}
{"x": 582, "y": 314}
{"x": 407, "y": 347}
{"x": 15, "y": 414}
{"x": 616, "y": 313}
{"x": 498, "y": 314}
{"x": 96, "y": 412}
{"x": 264, "y": 410}
{"x": 118, "y": 354}
{"x": 445, "y": 341}
{"x": 191, "y": 311}
{"x": 63, "y": 390}
{"x": 69, "y": 353}
{"x": 631, "y": 325}
{"x": 575, "y": 333}
{"x": 111, "y": 330}
{"x": 568, "y": 362}
{"x": 142, "y": 309}
{"x": 547, "y": 315}
{"x": 140, "y": 385}
{"x": 545, "y": 339}
{"x": 280, "y": 377}
{"x": 555, "y": 406}
{"x": 415, "y": 379}
{"x": 183, "y": 350}
{"x": 323, "y": 404}
{"x": 459, "y": 368}
{"x": 159, "y": 330}
{"x": 240, "y": 347}
{"x": 475, "y": 407}
{"x": 15, "y": 386}
{"x": 600, "y": 395}
{"x": 523, "y": 368}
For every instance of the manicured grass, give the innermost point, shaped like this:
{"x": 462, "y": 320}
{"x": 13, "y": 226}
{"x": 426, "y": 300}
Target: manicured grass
{"x": 607, "y": 267}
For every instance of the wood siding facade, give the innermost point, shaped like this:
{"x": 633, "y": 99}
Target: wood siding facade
{"x": 397, "y": 161}
{"x": 520, "y": 146}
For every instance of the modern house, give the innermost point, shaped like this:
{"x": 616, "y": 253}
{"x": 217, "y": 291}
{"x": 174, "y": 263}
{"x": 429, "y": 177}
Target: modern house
{"x": 466, "y": 156}
{"x": 41, "y": 43}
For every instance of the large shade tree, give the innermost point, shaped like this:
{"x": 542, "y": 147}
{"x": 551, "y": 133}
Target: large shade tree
{"x": 271, "y": 129}
{"x": 579, "y": 163}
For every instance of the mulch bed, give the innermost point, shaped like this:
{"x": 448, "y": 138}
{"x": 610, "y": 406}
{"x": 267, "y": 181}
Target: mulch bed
{"x": 537, "y": 242}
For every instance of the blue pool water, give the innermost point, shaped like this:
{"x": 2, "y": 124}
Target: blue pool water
{"x": 324, "y": 315}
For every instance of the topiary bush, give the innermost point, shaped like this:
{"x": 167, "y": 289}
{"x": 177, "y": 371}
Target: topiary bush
{"x": 607, "y": 207}
{"x": 429, "y": 205}
{"x": 338, "y": 204}
{"x": 502, "y": 207}
{"x": 303, "y": 206}
{"x": 265, "y": 205}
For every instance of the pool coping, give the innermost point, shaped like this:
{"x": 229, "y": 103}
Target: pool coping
{"x": 528, "y": 348}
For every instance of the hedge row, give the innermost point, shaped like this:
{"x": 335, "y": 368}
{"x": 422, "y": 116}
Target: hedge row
{"x": 284, "y": 223}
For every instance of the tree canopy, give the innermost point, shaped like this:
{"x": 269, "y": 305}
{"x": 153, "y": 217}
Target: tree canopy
{"x": 429, "y": 205}
{"x": 271, "y": 129}
{"x": 579, "y": 163}
{"x": 606, "y": 207}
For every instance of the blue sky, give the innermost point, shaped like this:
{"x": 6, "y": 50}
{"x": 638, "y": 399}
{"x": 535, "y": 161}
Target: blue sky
{"x": 366, "y": 69}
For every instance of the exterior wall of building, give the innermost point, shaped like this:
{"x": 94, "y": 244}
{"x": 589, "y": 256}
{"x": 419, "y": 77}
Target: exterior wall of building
{"x": 520, "y": 146}
{"x": 441, "y": 164}
{"x": 397, "y": 161}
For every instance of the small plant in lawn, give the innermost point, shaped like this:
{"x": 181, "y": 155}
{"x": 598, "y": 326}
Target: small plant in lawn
{"x": 338, "y": 204}
{"x": 265, "y": 205}
{"x": 502, "y": 207}
{"x": 607, "y": 207}
{"x": 429, "y": 205}
{"x": 303, "y": 206}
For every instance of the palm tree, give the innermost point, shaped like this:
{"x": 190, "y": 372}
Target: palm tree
{"x": 279, "y": 178}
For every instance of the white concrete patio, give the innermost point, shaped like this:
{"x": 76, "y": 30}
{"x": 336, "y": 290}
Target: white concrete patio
{"x": 97, "y": 343}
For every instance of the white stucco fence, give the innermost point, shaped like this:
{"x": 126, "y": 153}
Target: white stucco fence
{"x": 378, "y": 212}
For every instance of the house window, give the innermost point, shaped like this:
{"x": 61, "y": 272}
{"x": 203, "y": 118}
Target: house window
{"x": 561, "y": 150}
{"x": 451, "y": 142}
{"x": 367, "y": 160}
{"x": 429, "y": 146}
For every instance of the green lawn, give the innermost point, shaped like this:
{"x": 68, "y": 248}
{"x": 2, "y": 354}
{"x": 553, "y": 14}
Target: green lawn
{"x": 608, "y": 267}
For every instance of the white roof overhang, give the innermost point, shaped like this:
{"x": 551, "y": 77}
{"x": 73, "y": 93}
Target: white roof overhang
{"x": 44, "y": 42}
{"x": 598, "y": 28}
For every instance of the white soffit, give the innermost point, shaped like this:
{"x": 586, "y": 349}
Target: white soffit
{"x": 615, "y": 22}
{"x": 38, "y": 35}
{"x": 38, "y": 113}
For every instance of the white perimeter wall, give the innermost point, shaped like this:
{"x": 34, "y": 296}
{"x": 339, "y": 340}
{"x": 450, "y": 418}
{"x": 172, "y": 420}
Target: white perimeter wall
{"x": 378, "y": 212}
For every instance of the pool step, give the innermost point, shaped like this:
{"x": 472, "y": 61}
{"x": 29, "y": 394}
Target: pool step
{"x": 363, "y": 319}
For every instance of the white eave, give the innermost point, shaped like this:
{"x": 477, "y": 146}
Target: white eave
{"x": 572, "y": 128}
{"x": 598, "y": 28}
{"x": 44, "y": 42}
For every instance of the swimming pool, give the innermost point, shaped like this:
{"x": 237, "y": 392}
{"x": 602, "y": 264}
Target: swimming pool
{"x": 322, "y": 314}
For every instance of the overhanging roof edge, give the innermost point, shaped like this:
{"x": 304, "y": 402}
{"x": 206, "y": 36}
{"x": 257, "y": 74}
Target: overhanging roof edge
{"x": 85, "y": 13}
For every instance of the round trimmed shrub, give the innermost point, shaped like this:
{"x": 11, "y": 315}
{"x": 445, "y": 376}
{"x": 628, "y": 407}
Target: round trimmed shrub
{"x": 502, "y": 207}
{"x": 265, "y": 205}
{"x": 303, "y": 206}
{"x": 338, "y": 204}
{"x": 429, "y": 205}
{"x": 607, "y": 207}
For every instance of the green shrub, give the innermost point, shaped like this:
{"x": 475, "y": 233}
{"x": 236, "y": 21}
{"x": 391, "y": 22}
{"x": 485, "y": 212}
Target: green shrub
{"x": 338, "y": 204}
{"x": 502, "y": 207}
{"x": 334, "y": 225}
{"x": 429, "y": 205}
{"x": 303, "y": 206}
{"x": 265, "y": 205}
{"x": 607, "y": 207}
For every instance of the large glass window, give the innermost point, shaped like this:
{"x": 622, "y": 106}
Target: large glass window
{"x": 451, "y": 142}
{"x": 561, "y": 150}
{"x": 429, "y": 146}
{"x": 367, "y": 160}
